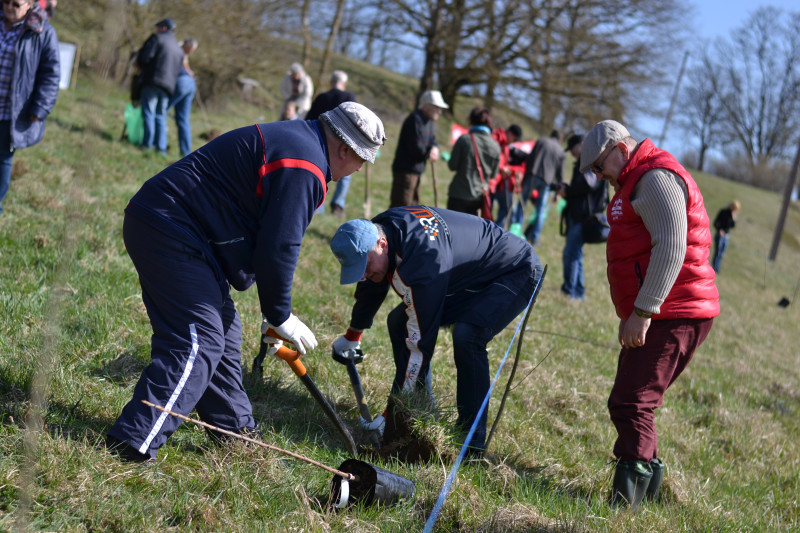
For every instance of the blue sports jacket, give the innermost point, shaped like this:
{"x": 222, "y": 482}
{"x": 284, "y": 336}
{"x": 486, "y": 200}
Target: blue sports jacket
{"x": 440, "y": 263}
{"x": 247, "y": 198}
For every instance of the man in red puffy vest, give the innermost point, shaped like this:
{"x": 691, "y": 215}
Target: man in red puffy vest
{"x": 662, "y": 287}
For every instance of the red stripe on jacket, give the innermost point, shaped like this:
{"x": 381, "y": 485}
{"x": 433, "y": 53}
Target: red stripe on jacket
{"x": 288, "y": 162}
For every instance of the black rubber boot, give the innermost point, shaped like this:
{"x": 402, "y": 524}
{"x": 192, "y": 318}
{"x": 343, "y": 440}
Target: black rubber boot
{"x": 657, "y": 467}
{"x": 631, "y": 479}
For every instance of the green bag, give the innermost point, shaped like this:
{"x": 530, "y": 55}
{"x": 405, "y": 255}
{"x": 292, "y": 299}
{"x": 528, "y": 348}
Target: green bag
{"x": 134, "y": 125}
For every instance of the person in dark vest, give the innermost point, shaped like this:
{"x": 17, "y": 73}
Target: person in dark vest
{"x": 662, "y": 287}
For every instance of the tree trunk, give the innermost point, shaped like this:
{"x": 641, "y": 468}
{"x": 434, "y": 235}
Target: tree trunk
{"x": 306, "y": 33}
{"x": 432, "y": 48}
{"x": 326, "y": 55}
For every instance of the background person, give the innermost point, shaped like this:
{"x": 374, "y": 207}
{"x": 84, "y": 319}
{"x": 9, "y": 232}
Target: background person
{"x": 416, "y": 145}
{"x": 183, "y": 97}
{"x": 29, "y": 76}
{"x": 662, "y": 287}
{"x": 159, "y": 61}
{"x": 723, "y": 224}
{"x": 448, "y": 268}
{"x": 509, "y": 176}
{"x": 471, "y": 182}
{"x": 544, "y": 169}
{"x": 585, "y": 195}
{"x": 231, "y": 213}
{"x": 325, "y": 102}
{"x": 297, "y": 90}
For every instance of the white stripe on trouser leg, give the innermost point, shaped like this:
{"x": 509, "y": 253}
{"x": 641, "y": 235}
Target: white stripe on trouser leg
{"x": 172, "y": 399}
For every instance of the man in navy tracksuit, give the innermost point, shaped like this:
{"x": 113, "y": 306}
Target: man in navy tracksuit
{"x": 232, "y": 213}
{"x": 448, "y": 268}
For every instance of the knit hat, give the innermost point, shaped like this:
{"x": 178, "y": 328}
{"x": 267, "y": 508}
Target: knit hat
{"x": 358, "y": 127}
{"x": 601, "y": 136}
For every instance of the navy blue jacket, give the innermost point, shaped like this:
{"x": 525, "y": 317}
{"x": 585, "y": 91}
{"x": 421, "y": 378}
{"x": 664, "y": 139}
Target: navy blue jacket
{"x": 440, "y": 261}
{"x": 34, "y": 84}
{"x": 247, "y": 197}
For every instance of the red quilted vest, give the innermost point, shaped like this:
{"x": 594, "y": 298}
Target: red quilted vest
{"x": 694, "y": 294}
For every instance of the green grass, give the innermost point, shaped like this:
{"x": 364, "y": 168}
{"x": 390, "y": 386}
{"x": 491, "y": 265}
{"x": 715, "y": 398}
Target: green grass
{"x": 74, "y": 337}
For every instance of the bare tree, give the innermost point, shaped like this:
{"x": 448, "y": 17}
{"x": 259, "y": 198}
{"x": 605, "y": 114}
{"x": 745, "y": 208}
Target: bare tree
{"x": 759, "y": 84}
{"x": 700, "y": 108}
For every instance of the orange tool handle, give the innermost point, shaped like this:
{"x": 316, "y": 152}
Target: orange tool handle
{"x": 287, "y": 354}
{"x": 293, "y": 358}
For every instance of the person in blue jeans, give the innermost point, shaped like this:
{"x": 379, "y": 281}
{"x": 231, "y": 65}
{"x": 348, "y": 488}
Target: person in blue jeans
{"x": 585, "y": 196}
{"x": 543, "y": 172}
{"x": 160, "y": 60}
{"x": 326, "y": 101}
{"x": 183, "y": 97}
{"x": 29, "y": 75}
{"x": 723, "y": 224}
{"x": 449, "y": 268}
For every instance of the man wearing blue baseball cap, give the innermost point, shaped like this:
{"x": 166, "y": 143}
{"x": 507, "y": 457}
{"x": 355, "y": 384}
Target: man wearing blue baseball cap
{"x": 449, "y": 268}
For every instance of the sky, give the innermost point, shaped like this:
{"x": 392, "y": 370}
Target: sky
{"x": 713, "y": 18}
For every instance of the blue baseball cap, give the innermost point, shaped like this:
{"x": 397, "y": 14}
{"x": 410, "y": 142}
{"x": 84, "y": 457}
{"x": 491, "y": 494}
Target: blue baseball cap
{"x": 350, "y": 244}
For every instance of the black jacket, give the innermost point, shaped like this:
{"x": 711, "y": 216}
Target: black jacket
{"x": 160, "y": 59}
{"x": 328, "y": 100}
{"x": 586, "y": 195}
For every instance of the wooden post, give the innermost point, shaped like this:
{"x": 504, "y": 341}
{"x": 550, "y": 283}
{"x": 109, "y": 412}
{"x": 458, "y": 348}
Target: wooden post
{"x": 435, "y": 191}
{"x": 366, "y": 191}
{"x": 74, "y": 80}
{"x": 787, "y": 197}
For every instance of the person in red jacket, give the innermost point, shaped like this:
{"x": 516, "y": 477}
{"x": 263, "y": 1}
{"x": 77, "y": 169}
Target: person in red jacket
{"x": 662, "y": 287}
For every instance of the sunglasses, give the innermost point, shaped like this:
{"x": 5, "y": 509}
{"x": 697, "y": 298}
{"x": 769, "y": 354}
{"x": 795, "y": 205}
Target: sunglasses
{"x": 15, "y": 5}
{"x": 597, "y": 168}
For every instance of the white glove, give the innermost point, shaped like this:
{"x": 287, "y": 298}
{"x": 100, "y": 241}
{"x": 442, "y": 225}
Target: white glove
{"x": 342, "y": 345}
{"x": 376, "y": 425}
{"x": 297, "y": 333}
{"x": 274, "y": 345}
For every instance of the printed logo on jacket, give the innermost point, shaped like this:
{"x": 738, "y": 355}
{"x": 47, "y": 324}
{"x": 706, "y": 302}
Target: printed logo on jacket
{"x": 429, "y": 221}
{"x": 616, "y": 209}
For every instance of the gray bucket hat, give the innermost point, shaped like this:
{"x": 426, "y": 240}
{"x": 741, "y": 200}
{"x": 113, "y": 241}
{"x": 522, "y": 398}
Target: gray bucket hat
{"x": 601, "y": 136}
{"x": 358, "y": 127}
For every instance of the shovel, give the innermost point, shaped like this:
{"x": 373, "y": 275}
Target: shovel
{"x": 292, "y": 357}
{"x": 349, "y": 359}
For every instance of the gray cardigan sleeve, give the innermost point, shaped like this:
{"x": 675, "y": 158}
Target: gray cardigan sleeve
{"x": 660, "y": 198}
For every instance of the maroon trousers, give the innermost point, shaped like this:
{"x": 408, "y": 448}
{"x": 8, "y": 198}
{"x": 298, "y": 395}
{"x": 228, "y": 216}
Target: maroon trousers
{"x": 643, "y": 376}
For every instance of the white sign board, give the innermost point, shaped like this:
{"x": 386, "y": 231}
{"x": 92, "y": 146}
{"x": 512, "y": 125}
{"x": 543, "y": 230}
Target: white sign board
{"x": 66, "y": 52}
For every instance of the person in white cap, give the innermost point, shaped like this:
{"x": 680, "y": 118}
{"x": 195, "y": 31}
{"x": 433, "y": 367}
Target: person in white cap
{"x": 662, "y": 287}
{"x": 232, "y": 213}
{"x": 416, "y": 145}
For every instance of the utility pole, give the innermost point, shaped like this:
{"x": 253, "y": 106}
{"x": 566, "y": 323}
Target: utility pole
{"x": 787, "y": 198}
{"x": 673, "y": 100}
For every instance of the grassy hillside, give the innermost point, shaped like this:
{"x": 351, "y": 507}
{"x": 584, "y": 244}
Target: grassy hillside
{"x": 74, "y": 338}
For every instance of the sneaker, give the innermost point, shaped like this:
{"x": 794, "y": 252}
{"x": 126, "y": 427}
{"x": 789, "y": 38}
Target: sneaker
{"x": 337, "y": 211}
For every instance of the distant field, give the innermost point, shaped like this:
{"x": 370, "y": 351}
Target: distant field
{"x": 74, "y": 338}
